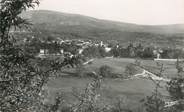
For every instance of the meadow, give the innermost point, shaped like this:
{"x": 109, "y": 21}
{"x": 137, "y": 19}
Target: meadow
{"x": 131, "y": 90}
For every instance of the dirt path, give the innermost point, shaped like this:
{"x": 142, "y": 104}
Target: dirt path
{"x": 147, "y": 74}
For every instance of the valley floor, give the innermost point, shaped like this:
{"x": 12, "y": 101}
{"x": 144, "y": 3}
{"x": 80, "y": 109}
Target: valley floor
{"x": 133, "y": 90}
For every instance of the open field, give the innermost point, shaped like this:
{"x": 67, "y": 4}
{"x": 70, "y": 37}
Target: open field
{"x": 133, "y": 90}
{"x": 119, "y": 65}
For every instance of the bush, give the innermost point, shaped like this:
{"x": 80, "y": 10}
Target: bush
{"x": 80, "y": 71}
{"x": 105, "y": 71}
{"x": 131, "y": 70}
{"x": 121, "y": 105}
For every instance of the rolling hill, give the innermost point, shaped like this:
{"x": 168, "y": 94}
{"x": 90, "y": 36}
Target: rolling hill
{"x": 63, "y": 25}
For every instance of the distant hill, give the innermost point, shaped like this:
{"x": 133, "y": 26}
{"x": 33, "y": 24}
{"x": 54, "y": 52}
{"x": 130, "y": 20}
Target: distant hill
{"x": 63, "y": 25}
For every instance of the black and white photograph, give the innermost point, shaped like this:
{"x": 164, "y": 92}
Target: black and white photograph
{"x": 91, "y": 55}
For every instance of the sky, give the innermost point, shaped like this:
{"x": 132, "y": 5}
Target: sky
{"x": 146, "y": 12}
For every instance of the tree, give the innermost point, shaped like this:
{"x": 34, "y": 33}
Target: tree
{"x": 80, "y": 70}
{"x": 154, "y": 103}
{"x": 139, "y": 51}
{"x": 105, "y": 71}
{"x": 22, "y": 75}
{"x": 148, "y": 53}
{"x": 131, "y": 50}
{"x": 16, "y": 88}
{"x": 88, "y": 100}
{"x": 130, "y": 70}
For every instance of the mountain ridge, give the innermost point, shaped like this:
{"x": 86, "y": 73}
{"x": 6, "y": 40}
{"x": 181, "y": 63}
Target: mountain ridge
{"x": 171, "y": 28}
{"x": 66, "y": 25}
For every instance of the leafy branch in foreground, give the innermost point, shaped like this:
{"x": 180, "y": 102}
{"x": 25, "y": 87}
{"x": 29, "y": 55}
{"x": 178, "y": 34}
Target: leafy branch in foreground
{"x": 155, "y": 103}
{"x": 22, "y": 75}
{"x": 87, "y": 100}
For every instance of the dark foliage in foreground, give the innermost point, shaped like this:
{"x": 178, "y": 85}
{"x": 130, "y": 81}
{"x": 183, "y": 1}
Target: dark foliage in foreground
{"x": 22, "y": 75}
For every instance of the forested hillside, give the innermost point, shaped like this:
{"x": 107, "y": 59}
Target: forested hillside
{"x": 67, "y": 26}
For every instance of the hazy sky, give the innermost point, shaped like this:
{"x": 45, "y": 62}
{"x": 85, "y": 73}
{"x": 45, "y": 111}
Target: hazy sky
{"x": 132, "y": 11}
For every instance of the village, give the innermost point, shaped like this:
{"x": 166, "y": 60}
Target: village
{"x": 78, "y": 47}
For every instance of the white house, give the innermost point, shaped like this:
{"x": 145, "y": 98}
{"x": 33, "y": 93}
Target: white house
{"x": 43, "y": 51}
{"x": 157, "y": 53}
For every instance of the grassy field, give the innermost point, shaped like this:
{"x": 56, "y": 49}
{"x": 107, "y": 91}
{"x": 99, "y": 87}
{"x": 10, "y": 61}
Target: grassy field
{"x": 133, "y": 90}
{"x": 119, "y": 65}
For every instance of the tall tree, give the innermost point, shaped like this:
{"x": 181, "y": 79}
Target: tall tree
{"x": 22, "y": 75}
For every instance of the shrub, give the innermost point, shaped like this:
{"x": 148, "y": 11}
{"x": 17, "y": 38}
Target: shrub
{"x": 155, "y": 103}
{"x": 80, "y": 71}
{"x": 121, "y": 105}
{"x": 105, "y": 71}
{"x": 88, "y": 99}
{"x": 131, "y": 70}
